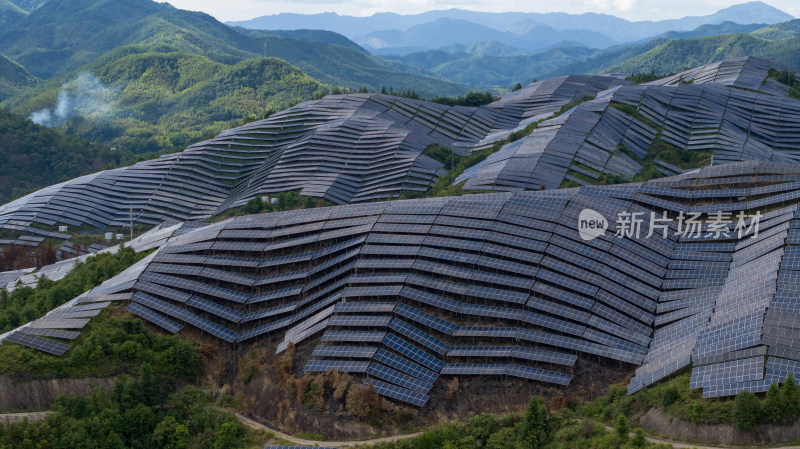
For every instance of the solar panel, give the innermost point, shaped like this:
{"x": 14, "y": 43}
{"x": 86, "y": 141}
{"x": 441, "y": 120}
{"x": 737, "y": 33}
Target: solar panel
{"x": 153, "y": 317}
{"x": 412, "y": 352}
{"x": 60, "y": 323}
{"x": 406, "y": 366}
{"x": 66, "y": 335}
{"x": 343, "y": 366}
{"x": 42, "y": 344}
{"x": 396, "y": 377}
{"x": 355, "y": 352}
{"x": 399, "y": 393}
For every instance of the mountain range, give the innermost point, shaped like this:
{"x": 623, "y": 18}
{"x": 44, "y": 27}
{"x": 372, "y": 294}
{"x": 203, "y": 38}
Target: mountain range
{"x": 168, "y": 77}
{"x": 409, "y": 29}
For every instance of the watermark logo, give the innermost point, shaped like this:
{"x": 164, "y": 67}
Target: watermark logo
{"x": 591, "y": 224}
{"x": 721, "y": 225}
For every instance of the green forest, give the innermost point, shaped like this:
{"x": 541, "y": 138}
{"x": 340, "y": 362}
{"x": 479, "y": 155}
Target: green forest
{"x": 142, "y": 412}
{"x": 164, "y": 101}
{"x": 33, "y": 156}
{"x": 146, "y": 408}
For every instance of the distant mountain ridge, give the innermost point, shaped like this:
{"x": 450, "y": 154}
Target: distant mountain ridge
{"x": 615, "y": 28}
{"x": 491, "y": 64}
{"x": 445, "y": 32}
{"x": 779, "y": 42}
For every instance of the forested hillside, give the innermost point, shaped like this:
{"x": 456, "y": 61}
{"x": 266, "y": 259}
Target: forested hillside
{"x": 14, "y": 79}
{"x": 32, "y": 156}
{"x": 148, "y": 99}
{"x": 675, "y": 51}
{"x": 675, "y": 55}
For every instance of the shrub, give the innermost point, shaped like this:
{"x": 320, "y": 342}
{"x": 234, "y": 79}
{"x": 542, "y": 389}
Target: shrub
{"x": 536, "y": 425}
{"x": 696, "y": 413}
{"x": 670, "y": 396}
{"x": 638, "y": 439}
{"x": 362, "y": 402}
{"x": 622, "y": 427}
{"x": 747, "y": 411}
{"x": 791, "y": 396}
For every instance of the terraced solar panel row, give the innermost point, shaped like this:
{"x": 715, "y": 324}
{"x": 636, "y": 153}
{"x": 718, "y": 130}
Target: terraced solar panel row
{"x": 715, "y": 112}
{"x": 153, "y": 317}
{"x": 647, "y": 302}
{"x": 35, "y": 342}
{"x": 344, "y": 148}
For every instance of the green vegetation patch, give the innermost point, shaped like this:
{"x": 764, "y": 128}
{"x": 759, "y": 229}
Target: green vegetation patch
{"x": 645, "y": 77}
{"x": 445, "y": 155}
{"x": 106, "y": 347}
{"x": 471, "y": 99}
{"x": 142, "y": 412}
{"x": 27, "y": 304}
{"x": 788, "y": 78}
{"x": 779, "y": 405}
{"x": 536, "y": 428}
{"x": 32, "y": 156}
{"x": 284, "y": 201}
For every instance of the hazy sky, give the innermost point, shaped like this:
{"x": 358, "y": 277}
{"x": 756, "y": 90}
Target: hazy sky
{"x": 628, "y": 9}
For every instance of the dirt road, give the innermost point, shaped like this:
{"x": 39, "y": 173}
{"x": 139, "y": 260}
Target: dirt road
{"x": 301, "y": 442}
{"x": 6, "y": 418}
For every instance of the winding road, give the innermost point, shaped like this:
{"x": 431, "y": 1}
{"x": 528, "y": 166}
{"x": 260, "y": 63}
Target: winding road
{"x": 348, "y": 444}
{"x": 337, "y": 444}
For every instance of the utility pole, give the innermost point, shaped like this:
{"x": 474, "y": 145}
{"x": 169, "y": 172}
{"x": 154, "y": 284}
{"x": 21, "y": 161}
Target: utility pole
{"x": 131, "y": 217}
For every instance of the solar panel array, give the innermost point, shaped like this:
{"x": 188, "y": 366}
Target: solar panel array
{"x": 730, "y": 108}
{"x": 384, "y": 289}
{"x": 344, "y": 148}
{"x": 404, "y": 292}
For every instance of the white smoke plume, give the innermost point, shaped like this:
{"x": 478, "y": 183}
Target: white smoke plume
{"x": 85, "y": 96}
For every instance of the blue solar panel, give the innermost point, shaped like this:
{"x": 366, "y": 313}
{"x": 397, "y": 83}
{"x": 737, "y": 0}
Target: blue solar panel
{"x": 399, "y": 393}
{"x": 153, "y": 317}
{"x": 412, "y": 352}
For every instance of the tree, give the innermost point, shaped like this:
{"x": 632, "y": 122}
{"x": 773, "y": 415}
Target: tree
{"x": 254, "y": 206}
{"x": 747, "y": 411}
{"x": 638, "y": 439}
{"x": 45, "y": 255}
{"x": 362, "y": 401}
{"x": 774, "y": 406}
{"x": 517, "y": 87}
{"x": 147, "y": 384}
{"x": 536, "y": 425}
{"x": 227, "y": 436}
{"x": 622, "y": 427}
{"x": 791, "y": 396}
{"x": 171, "y": 435}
